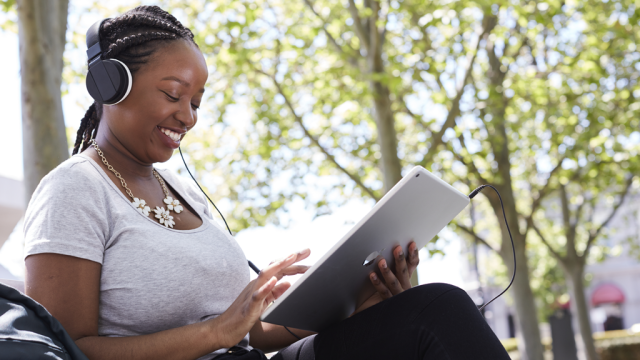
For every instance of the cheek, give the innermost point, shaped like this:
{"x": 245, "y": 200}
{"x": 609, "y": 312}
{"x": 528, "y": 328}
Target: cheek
{"x": 144, "y": 111}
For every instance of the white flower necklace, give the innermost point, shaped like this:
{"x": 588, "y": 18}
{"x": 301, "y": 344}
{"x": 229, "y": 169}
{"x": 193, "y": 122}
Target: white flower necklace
{"x": 162, "y": 215}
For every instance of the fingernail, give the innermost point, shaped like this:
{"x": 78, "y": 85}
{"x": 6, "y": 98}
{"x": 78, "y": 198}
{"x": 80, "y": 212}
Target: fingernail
{"x": 383, "y": 263}
{"x": 400, "y": 254}
{"x": 374, "y": 276}
{"x": 303, "y": 252}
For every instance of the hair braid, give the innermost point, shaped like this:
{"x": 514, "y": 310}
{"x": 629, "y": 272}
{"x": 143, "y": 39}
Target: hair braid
{"x": 158, "y": 12}
{"x": 83, "y": 126}
{"x": 131, "y": 38}
{"x": 150, "y": 21}
{"x": 137, "y": 39}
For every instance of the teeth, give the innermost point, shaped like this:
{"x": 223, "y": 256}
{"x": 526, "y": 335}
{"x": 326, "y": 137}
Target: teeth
{"x": 171, "y": 134}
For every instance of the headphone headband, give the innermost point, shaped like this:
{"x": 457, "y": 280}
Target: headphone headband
{"x": 93, "y": 40}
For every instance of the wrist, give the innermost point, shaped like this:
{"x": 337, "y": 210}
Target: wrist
{"x": 216, "y": 334}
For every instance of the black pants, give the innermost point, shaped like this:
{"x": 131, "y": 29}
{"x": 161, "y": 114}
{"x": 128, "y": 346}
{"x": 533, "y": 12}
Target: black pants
{"x": 430, "y": 322}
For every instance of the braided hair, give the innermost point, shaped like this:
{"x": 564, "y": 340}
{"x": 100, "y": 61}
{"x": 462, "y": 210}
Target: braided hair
{"x": 131, "y": 38}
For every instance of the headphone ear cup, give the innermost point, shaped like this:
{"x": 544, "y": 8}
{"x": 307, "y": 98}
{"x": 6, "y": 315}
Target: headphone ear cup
{"x": 108, "y": 81}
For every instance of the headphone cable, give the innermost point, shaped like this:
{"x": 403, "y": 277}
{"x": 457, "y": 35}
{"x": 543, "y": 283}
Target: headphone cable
{"x": 513, "y": 248}
{"x": 205, "y": 194}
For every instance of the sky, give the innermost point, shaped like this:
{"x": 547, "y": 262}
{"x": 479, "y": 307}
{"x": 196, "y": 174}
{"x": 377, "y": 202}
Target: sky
{"x": 261, "y": 245}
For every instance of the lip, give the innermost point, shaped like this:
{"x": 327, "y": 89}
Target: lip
{"x": 167, "y": 141}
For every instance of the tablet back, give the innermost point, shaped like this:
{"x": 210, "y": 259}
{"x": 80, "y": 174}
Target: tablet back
{"x": 416, "y": 208}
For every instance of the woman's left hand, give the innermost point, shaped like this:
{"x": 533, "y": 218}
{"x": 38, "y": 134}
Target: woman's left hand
{"x": 393, "y": 281}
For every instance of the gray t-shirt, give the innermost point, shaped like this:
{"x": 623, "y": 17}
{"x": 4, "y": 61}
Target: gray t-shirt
{"x": 153, "y": 278}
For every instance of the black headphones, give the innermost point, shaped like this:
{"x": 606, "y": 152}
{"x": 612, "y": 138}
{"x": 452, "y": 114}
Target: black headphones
{"x": 108, "y": 80}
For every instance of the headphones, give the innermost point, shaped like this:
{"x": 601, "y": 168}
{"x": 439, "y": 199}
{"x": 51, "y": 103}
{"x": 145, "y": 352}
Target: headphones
{"x": 108, "y": 80}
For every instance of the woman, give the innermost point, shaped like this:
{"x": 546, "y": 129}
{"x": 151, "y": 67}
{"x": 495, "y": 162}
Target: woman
{"x": 130, "y": 261}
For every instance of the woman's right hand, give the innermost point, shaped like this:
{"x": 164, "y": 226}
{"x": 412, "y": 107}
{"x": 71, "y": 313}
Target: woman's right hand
{"x": 235, "y": 323}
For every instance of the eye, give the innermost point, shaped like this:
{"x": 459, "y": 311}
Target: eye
{"x": 174, "y": 99}
{"x": 195, "y": 107}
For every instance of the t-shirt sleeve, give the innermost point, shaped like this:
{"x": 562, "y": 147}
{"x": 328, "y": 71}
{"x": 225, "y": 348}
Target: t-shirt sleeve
{"x": 67, "y": 215}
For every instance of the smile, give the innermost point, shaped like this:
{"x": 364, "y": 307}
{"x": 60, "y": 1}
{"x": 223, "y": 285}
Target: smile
{"x": 175, "y": 136}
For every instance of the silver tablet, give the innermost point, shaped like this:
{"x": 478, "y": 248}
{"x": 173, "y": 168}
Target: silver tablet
{"x": 416, "y": 208}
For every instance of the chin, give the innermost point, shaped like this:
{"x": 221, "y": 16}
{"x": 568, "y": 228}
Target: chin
{"x": 165, "y": 158}
{"x": 161, "y": 155}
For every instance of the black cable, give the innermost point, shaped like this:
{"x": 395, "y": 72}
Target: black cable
{"x": 214, "y": 205}
{"x": 291, "y": 332}
{"x": 251, "y": 265}
{"x": 513, "y": 248}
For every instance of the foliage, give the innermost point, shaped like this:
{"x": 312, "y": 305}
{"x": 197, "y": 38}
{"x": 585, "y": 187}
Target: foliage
{"x": 559, "y": 89}
{"x": 8, "y": 17}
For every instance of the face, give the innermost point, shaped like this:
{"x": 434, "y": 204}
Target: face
{"x": 162, "y": 105}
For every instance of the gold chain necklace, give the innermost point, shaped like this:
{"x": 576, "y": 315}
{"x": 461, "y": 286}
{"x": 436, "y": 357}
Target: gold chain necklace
{"x": 162, "y": 215}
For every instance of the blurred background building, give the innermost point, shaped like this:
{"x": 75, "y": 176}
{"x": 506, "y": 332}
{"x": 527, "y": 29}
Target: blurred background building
{"x": 11, "y": 211}
{"x": 614, "y": 289}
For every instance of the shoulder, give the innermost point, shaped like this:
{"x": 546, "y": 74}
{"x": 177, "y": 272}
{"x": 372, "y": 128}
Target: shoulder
{"x": 77, "y": 170}
{"x": 73, "y": 181}
{"x": 69, "y": 212}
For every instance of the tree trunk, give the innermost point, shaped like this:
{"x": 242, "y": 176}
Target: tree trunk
{"x": 526, "y": 312}
{"x": 42, "y": 26}
{"x": 525, "y": 305}
{"x": 383, "y": 115}
{"x": 574, "y": 274}
{"x": 382, "y": 112}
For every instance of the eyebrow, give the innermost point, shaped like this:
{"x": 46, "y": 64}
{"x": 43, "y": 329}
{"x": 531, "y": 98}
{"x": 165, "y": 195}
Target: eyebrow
{"x": 179, "y": 81}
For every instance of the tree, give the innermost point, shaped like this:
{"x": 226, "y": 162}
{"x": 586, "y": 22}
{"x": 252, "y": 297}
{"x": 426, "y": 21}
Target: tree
{"x": 568, "y": 99}
{"x": 42, "y": 26}
{"x": 579, "y": 233}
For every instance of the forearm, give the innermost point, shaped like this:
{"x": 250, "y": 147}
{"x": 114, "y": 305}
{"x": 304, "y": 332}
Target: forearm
{"x": 186, "y": 342}
{"x": 269, "y": 337}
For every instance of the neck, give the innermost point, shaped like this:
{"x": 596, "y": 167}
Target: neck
{"x": 121, "y": 158}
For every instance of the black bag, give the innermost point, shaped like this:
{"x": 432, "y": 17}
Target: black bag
{"x": 238, "y": 353}
{"x": 28, "y": 331}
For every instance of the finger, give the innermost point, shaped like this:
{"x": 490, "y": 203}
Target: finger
{"x": 402, "y": 272}
{"x": 300, "y": 255}
{"x": 262, "y": 292}
{"x": 303, "y": 254}
{"x": 276, "y": 292}
{"x": 413, "y": 259}
{"x": 267, "y": 273}
{"x": 292, "y": 270}
{"x": 380, "y": 287}
{"x": 390, "y": 279}
{"x": 279, "y": 289}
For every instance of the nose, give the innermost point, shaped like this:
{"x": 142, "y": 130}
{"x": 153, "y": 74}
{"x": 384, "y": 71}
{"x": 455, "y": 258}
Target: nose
{"x": 186, "y": 114}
